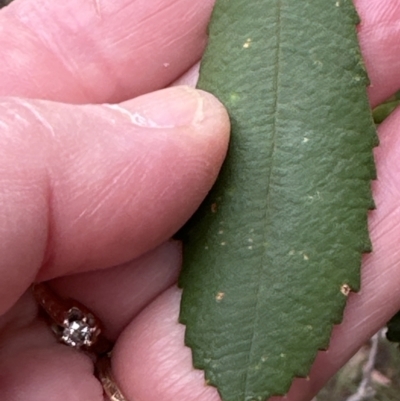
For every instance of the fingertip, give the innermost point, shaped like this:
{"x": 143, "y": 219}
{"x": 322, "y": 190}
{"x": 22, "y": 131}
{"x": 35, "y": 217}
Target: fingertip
{"x": 180, "y": 106}
{"x": 215, "y": 113}
{"x": 195, "y": 118}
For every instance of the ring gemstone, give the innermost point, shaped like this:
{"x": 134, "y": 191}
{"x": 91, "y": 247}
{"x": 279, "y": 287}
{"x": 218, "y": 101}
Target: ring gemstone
{"x": 78, "y": 329}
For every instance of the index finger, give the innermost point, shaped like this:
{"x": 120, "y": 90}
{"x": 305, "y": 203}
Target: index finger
{"x": 92, "y": 51}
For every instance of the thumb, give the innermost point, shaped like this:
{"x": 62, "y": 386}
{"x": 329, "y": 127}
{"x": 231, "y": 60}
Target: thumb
{"x": 88, "y": 187}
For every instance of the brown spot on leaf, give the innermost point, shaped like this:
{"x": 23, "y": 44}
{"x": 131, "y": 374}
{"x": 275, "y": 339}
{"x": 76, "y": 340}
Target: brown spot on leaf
{"x": 214, "y": 208}
{"x": 345, "y": 289}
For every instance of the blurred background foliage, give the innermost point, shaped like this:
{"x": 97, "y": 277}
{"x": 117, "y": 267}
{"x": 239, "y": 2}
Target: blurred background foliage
{"x": 384, "y": 380}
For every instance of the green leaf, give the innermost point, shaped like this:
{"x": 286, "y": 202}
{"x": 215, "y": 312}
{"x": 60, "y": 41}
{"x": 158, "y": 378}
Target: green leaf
{"x": 381, "y": 112}
{"x": 274, "y": 250}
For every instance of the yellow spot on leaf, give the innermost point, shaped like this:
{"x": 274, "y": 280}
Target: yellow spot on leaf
{"x": 220, "y": 296}
{"x": 234, "y": 97}
{"x": 247, "y": 44}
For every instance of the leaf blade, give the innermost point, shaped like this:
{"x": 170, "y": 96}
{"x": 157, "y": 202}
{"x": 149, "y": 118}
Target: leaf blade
{"x": 287, "y": 182}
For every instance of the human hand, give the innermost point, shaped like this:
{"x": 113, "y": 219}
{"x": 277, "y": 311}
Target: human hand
{"x": 150, "y": 361}
{"x": 88, "y": 187}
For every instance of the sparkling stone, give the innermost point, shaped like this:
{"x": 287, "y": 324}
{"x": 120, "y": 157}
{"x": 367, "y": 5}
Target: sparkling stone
{"x": 77, "y": 330}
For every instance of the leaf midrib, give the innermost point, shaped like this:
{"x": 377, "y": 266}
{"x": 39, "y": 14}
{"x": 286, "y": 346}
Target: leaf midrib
{"x": 272, "y": 154}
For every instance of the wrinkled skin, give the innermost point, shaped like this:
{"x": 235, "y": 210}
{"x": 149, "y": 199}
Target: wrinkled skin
{"x": 91, "y": 194}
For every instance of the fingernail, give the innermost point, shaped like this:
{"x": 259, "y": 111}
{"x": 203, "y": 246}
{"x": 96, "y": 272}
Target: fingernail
{"x": 173, "y": 107}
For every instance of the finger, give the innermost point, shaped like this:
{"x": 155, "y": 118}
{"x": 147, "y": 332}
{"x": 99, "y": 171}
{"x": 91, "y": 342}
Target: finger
{"x": 87, "y": 187}
{"x": 98, "y": 51}
{"x": 150, "y": 361}
{"x": 116, "y": 295}
{"x": 45, "y": 373}
{"x": 379, "y": 34}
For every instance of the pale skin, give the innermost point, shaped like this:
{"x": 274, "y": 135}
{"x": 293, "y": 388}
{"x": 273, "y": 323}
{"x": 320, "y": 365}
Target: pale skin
{"x": 98, "y": 191}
